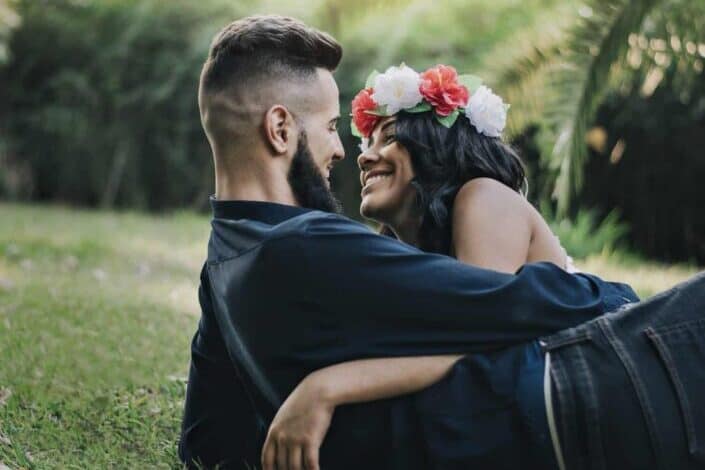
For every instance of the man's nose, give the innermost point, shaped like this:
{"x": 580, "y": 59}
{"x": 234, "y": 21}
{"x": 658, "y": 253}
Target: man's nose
{"x": 366, "y": 158}
{"x": 339, "y": 153}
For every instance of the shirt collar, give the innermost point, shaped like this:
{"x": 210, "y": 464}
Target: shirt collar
{"x": 267, "y": 212}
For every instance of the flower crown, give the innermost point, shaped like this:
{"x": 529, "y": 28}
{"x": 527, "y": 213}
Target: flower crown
{"x": 439, "y": 88}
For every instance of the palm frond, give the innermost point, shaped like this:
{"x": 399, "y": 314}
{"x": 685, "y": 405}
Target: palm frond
{"x": 598, "y": 40}
{"x": 521, "y": 77}
{"x": 528, "y": 64}
{"x": 518, "y": 66}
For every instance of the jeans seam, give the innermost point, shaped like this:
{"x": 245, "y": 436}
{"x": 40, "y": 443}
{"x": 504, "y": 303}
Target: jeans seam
{"x": 556, "y": 342}
{"x": 679, "y": 327}
{"x": 637, "y": 384}
{"x": 597, "y": 454}
{"x": 675, "y": 377}
{"x": 565, "y": 404}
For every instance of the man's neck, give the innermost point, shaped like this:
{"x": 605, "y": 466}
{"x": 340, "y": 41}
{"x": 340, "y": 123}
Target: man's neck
{"x": 266, "y": 185}
{"x": 232, "y": 191}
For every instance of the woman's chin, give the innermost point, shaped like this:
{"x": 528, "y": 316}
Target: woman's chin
{"x": 368, "y": 209}
{"x": 365, "y": 210}
{"x": 373, "y": 212}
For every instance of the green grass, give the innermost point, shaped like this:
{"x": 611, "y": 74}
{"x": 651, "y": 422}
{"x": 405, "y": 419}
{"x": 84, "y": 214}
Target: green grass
{"x": 96, "y": 313}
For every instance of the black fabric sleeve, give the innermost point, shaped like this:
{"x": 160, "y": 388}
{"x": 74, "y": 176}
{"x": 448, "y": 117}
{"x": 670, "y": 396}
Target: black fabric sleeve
{"x": 339, "y": 292}
{"x": 220, "y": 426}
{"x": 382, "y": 297}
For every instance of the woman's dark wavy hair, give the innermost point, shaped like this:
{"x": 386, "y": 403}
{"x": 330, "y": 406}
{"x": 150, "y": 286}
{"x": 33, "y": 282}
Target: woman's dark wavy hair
{"x": 444, "y": 159}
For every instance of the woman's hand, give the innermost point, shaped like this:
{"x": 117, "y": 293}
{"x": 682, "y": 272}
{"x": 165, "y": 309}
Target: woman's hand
{"x": 297, "y": 431}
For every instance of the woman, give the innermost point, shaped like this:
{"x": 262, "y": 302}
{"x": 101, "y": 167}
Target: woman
{"x": 435, "y": 174}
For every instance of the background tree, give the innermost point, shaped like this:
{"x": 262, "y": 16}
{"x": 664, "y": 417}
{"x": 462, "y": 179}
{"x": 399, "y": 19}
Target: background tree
{"x": 624, "y": 82}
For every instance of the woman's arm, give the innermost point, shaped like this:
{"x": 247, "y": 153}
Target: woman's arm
{"x": 298, "y": 429}
{"x": 491, "y": 226}
{"x": 374, "y": 379}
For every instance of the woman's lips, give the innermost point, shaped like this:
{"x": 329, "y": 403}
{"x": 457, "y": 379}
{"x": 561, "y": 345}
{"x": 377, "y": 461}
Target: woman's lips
{"x": 372, "y": 179}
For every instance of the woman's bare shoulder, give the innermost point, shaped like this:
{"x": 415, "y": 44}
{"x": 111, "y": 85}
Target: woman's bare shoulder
{"x": 481, "y": 197}
{"x": 491, "y": 226}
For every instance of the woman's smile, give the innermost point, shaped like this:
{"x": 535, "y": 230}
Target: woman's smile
{"x": 372, "y": 177}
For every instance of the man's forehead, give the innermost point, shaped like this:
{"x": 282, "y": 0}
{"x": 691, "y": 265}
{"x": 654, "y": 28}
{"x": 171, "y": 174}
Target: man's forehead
{"x": 324, "y": 94}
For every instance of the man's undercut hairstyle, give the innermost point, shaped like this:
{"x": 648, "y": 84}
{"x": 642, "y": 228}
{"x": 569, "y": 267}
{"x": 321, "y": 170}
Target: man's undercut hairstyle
{"x": 263, "y": 48}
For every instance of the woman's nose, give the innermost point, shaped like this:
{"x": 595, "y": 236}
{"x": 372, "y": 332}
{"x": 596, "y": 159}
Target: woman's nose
{"x": 366, "y": 158}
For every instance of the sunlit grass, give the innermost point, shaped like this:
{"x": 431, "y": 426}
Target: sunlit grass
{"x": 96, "y": 313}
{"x": 647, "y": 277}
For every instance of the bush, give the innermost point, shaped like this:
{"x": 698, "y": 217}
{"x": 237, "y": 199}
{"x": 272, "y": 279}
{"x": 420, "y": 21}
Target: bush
{"x": 586, "y": 234}
{"x": 100, "y": 103}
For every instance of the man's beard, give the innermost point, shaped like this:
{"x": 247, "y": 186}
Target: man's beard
{"x": 307, "y": 182}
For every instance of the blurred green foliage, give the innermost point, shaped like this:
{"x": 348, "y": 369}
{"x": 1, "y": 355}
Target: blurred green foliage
{"x": 99, "y": 97}
{"x": 586, "y": 233}
{"x": 100, "y": 105}
{"x": 9, "y": 19}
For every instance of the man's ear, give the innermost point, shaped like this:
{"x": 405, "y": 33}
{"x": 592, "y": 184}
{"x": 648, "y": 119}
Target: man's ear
{"x": 279, "y": 129}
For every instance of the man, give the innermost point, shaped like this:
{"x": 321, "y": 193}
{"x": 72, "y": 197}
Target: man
{"x": 290, "y": 287}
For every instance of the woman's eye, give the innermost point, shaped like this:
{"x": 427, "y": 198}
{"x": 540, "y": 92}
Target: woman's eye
{"x": 389, "y": 139}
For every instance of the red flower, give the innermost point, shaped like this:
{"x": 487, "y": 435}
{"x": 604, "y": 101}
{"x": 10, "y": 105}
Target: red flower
{"x": 440, "y": 87}
{"x": 361, "y": 105}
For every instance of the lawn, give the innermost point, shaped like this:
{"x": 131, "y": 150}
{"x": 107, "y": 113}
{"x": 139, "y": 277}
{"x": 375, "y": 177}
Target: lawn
{"x": 96, "y": 313}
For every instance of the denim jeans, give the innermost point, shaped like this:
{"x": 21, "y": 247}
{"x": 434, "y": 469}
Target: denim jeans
{"x": 629, "y": 387}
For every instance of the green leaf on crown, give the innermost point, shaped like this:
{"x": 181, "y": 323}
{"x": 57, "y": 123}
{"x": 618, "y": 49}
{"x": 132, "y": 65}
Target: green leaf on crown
{"x": 378, "y": 111}
{"x": 449, "y": 120}
{"x": 370, "y": 82}
{"x": 353, "y": 129}
{"x": 471, "y": 82}
{"x": 419, "y": 108}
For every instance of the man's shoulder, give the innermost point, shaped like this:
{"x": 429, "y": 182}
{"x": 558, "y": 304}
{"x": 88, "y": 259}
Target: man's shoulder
{"x": 315, "y": 217}
{"x": 232, "y": 238}
{"x": 317, "y": 223}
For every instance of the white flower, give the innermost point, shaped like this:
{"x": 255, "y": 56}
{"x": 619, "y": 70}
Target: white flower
{"x": 397, "y": 88}
{"x": 487, "y": 112}
{"x": 364, "y": 144}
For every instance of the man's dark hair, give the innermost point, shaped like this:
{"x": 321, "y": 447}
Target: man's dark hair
{"x": 257, "y": 47}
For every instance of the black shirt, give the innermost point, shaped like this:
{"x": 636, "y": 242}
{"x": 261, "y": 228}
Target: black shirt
{"x": 286, "y": 291}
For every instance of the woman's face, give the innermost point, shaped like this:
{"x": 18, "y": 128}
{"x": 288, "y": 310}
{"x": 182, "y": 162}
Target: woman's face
{"x": 385, "y": 175}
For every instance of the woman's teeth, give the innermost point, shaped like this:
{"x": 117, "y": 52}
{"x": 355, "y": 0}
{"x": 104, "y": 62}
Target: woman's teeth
{"x": 375, "y": 178}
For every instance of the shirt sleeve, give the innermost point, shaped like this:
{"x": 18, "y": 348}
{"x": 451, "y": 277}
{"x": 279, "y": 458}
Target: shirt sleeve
{"x": 337, "y": 291}
{"x": 220, "y": 426}
{"x": 383, "y": 297}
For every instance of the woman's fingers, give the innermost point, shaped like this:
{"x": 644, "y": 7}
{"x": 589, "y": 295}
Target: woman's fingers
{"x": 311, "y": 457}
{"x": 279, "y": 453}
{"x": 269, "y": 453}
{"x": 282, "y": 456}
{"x": 295, "y": 462}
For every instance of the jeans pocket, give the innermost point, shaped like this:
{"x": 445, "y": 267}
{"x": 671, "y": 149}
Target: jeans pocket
{"x": 681, "y": 347}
